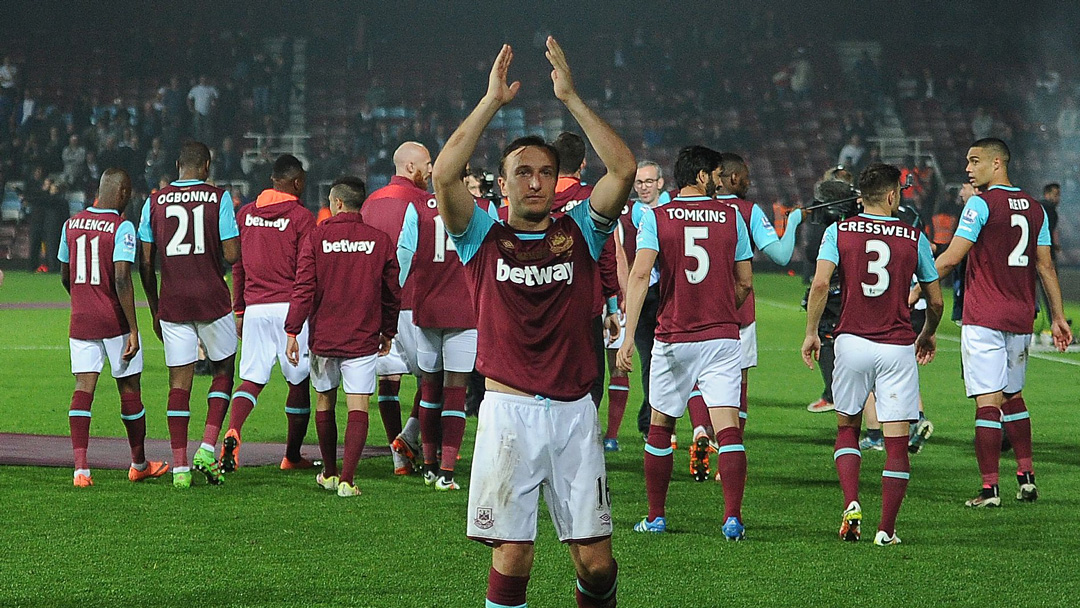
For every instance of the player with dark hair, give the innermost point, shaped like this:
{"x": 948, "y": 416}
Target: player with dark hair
{"x": 703, "y": 251}
{"x": 876, "y": 347}
{"x": 529, "y": 276}
{"x": 385, "y": 210}
{"x": 97, "y": 251}
{"x": 187, "y": 227}
{"x": 272, "y": 230}
{"x": 1005, "y": 236}
{"x": 347, "y": 292}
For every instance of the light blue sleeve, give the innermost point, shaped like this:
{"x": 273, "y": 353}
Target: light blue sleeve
{"x": 828, "y": 250}
{"x": 1044, "y": 232}
{"x": 780, "y": 251}
{"x": 761, "y": 229}
{"x": 973, "y": 218}
{"x": 595, "y": 235}
{"x": 636, "y": 212}
{"x": 406, "y": 244}
{"x": 925, "y": 271}
{"x": 63, "y": 254}
{"x": 646, "y": 234}
{"x": 493, "y": 210}
{"x": 743, "y": 251}
{"x": 227, "y": 227}
{"x": 124, "y": 243}
{"x": 468, "y": 243}
{"x": 145, "y": 234}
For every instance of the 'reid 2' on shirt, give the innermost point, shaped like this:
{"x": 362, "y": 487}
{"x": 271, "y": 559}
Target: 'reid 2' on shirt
{"x": 272, "y": 229}
{"x": 435, "y": 271}
{"x": 762, "y": 234}
{"x": 533, "y": 331}
{"x": 698, "y": 240}
{"x": 92, "y": 242}
{"x": 384, "y": 209}
{"x": 1006, "y": 226}
{"x": 876, "y": 257}
{"x": 346, "y": 288}
{"x": 187, "y": 221}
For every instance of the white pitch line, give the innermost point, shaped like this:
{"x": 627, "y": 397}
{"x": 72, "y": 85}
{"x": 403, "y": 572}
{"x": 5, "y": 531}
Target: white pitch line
{"x": 775, "y": 304}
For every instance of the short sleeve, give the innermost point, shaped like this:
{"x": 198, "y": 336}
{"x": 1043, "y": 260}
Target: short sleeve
{"x": 410, "y": 230}
{"x": 743, "y": 251}
{"x": 124, "y": 243}
{"x": 925, "y": 270}
{"x": 637, "y": 212}
{"x": 468, "y": 243}
{"x": 1044, "y": 232}
{"x": 647, "y": 236}
{"x": 493, "y": 210}
{"x": 146, "y": 235}
{"x": 761, "y": 229}
{"x": 973, "y": 218}
{"x": 595, "y": 235}
{"x": 227, "y": 218}
{"x": 828, "y": 250}
{"x": 63, "y": 254}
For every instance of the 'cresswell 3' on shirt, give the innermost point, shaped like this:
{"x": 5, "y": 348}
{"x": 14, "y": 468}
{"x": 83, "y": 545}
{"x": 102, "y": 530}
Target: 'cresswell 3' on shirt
{"x": 533, "y": 333}
{"x": 347, "y": 283}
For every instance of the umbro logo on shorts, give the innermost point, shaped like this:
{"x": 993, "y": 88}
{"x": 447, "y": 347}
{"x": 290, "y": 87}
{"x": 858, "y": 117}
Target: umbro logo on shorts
{"x": 484, "y": 519}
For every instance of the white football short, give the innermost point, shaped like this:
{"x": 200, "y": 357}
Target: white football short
{"x": 264, "y": 342}
{"x": 713, "y": 365}
{"x": 356, "y": 375}
{"x": 617, "y": 344}
{"x": 402, "y": 356}
{"x": 182, "y": 340}
{"x": 889, "y": 370}
{"x": 451, "y": 350}
{"x": 748, "y": 345}
{"x": 993, "y": 360}
{"x": 88, "y": 356}
{"x": 527, "y": 443}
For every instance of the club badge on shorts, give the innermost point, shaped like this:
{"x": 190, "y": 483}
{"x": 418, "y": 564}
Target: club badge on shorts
{"x": 484, "y": 519}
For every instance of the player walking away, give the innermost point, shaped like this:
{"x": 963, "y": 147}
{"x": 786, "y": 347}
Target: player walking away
{"x": 272, "y": 230}
{"x": 1004, "y": 234}
{"x": 385, "y": 210}
{"x": 704, "y": 255}
{"x": 187, "y": 227}
{"x": 347, "y": 291}
{"x": 876, "y": 348}
{"x": 446, "y": 344}
{"x": 96, "y": 253}
{"x": 537, "y": 424}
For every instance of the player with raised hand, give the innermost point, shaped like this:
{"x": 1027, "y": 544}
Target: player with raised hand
{"x": 1004, "y": 235}
{"x": 271, "y": 232}
{"x": 186, "y": 229}
{"x": 703, "y": 251}
{"x": 529, "y": 277}
{"x": 97, "y": 251}
{"x": 347, "y": 292}
{"x": 876, "y": 347}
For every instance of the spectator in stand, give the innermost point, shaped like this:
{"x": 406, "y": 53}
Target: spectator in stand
{"x": 852, "y": 152}
{"x": 202, "y": 98}
{"x": 74, "y": 160}
{"x": 928, "y": 83}
{"x": 227, "y": 162}
{"x": 1051, "y": 199}
{"x": 907, "y": 86}
{"x": 150, "y": 126}
{"x": 261, "y": 75}
{"x": 1068, "y": 125}
{"x": 92, "y": 173}
{"x": 982, "y": 124}
{"x": 54, "y": 147}
{"x": 157, "y": 163}
{"x": 801, "y": 76}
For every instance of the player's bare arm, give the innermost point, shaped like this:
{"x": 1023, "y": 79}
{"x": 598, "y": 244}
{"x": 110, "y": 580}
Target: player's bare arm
{"x": 622, "y": 265}
{"x": 744, "y": 281}
{"x": 125, "y": 292}
{"x": 1059, "y": 327}
{"x": 454, "y": 200}
{"x": 926, "y": 342}
{"x": 611, "y": 192}
{"x": 292, "y": 351}
{"x": 636, "y": 287}
{"x": 958, "y": 248}
{"x": 65, "y": 276}
{"x": 815, "y": 306}
{"x": 148, "y": 276}
{"x": 230, "y": 249}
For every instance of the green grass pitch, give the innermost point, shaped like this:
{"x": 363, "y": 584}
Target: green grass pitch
{"x": 268, "y": 538}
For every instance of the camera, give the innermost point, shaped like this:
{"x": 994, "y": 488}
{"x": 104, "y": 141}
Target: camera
{"x": 487, "y": 186}
{"x": 834, "y": 200}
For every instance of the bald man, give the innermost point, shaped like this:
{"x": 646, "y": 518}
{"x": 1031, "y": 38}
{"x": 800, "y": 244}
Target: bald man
{"x": 96, "y": 254}
{"x": 385, "y": 209}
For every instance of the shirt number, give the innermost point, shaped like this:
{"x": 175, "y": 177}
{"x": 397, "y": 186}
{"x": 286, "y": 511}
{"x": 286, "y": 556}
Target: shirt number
{"x": 176, "y": 245}
{"x": 877, "y": 268}
{"x": 691, "y": 234}
{"x": 80, "y": 260}
{"x": 443, "y": 243}
{"x": 1017, "y": 257}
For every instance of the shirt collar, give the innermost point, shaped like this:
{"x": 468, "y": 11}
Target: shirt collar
{"x": 99, "y": 210}
{"x": 1006, "y": 188}
{"x": 887, "y": 218}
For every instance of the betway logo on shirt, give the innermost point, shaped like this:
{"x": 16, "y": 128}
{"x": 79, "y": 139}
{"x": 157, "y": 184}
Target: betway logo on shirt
{"x": 280, "y": 223}
{"x": 347, "y": 246}
{"x": 532, "y": 276}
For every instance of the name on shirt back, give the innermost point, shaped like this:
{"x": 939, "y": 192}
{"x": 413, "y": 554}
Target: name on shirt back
{"x": 897, "y": 229}
{"x": 85, "y": 223}
{"x": 697, "y": 215}
{"x": 187, "y": 196}
{"x": 347, "y": 246}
